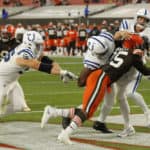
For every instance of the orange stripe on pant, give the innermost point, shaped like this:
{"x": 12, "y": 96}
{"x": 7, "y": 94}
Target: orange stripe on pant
{"x": 96, "y": 85}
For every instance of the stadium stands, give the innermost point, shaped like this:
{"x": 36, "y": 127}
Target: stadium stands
{"x": 24, "y": 3}
{"x": 124, "y": 11}
{"x": 16, "y": 10}
{"x": 70, "y": 11}
{"x": 76, "y": 2}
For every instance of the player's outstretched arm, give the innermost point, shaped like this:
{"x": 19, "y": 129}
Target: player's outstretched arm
{"x": 51, "y": 68}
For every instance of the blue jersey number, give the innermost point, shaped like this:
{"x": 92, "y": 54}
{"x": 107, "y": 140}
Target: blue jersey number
{"x": 8, "y": 55}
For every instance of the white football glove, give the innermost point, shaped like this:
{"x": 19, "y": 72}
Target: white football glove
{"x": 66, "y": 76}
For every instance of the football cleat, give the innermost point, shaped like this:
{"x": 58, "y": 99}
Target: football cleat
{"x": 65, "y": 122}
{"x": 63, "y": 137}
{"x": 100, "y": 126}
{"x": 127, "y": 132}
{"x": 26, "y": 109}
{"x": 48, "y": 113}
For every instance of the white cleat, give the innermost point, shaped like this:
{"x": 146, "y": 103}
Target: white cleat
{"x": 26, "y": 109}
{"x": 127, "y": 132}
{"x": 48, "y": 113}
{"x": 64, "y": 138}
{"x": 147, "y": 115}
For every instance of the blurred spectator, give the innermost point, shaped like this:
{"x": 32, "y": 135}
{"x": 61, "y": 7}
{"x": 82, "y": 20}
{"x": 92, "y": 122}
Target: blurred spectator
{"x": 86, "y": 11}
{"x": 140, "y": 1}
{"x": 36, "y": 3}
{"x": 65, "y": 2}
{"x": 111, "y": 28}
{"x": 94, "y": 31}
{"x": 86, "y": 1}
{"x": 57, "y": 2}
{"x": 6, "y": 2}
{"x": 116, "y": 25}
{"x": 17, "y": 3}
{"x": 81, "y": 39}
{"x": 42, "y": 2}
{"x": 4, "y": 13}
{"x": 95, "y": 1}
{"x": 104, "y": 25}
{"x": 72, "y": 36}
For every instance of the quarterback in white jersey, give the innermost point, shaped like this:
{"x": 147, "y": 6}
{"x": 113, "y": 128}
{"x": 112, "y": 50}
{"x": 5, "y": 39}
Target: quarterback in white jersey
{"x": 128, "y": 83}
{"x": 27, "y": 55}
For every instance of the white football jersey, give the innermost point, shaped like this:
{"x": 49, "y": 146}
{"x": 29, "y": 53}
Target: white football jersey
{"x": 128, "y": 25}
{"x": 9, "y": 70}
{"x": 100, "y": 48}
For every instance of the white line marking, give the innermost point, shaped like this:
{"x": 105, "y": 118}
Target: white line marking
{"x": 68, "y": 106}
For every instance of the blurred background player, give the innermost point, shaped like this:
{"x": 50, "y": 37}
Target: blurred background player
{"x": 72, "y": 36}
{"x": 81, "y": 39}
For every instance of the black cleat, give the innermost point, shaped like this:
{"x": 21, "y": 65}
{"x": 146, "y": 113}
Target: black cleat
{"x": 100, "y": 126}
{"x": 65, "y": 122}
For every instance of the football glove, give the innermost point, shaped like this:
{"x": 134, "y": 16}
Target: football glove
{"x": 66, "y": 76}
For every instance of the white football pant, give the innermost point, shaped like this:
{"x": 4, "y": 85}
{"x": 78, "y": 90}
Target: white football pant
{"x": 15, "y": 98}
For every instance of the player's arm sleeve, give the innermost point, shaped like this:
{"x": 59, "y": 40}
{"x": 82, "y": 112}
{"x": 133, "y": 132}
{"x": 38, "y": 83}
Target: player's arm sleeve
{"x": 141, "y": 66}
{"x": 30, "y": 63}
{"x": 47, "y": 60}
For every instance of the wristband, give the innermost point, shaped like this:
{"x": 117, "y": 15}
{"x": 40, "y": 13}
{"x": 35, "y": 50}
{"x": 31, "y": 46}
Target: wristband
{"x": 45, "y": 67}
{"x": 47, "y": 60}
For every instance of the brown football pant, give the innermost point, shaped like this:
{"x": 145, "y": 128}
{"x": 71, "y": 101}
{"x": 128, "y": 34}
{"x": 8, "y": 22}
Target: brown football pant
{"x": 96, "y": 85}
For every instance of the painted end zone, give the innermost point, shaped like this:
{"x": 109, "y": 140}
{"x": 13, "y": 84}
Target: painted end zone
{"x": 29, "y": 136}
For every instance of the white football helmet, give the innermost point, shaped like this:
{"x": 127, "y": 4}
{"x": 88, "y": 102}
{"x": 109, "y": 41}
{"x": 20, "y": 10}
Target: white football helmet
{"x": 34, "y": 41}
{"x": 145, "y": 14}
{"x": 101, "y": 45}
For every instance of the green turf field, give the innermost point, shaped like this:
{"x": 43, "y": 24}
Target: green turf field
{"x": 42, "y": 89}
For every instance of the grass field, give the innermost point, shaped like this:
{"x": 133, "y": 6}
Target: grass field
{"x": 42, "y": 89}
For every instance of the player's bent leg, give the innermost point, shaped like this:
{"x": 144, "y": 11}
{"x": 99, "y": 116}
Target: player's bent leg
{"x": 16, "y": 95}
{"x": 19, "y": 90}
{"x": 49, "y": 112}
{"x": 107, "y": 105}
{"x": 79, "y": 117}
{"x": 139, "y": 100}
{"x": 65, "y": 122}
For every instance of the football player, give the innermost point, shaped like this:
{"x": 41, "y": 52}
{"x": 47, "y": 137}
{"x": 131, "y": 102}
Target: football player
{"x": 130, "y": 80}
{"x": 26, "y": 55}
{"x": 98, "y": 82}
{"x": 8, "y": 42}
{"x": 100, "y": 48}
